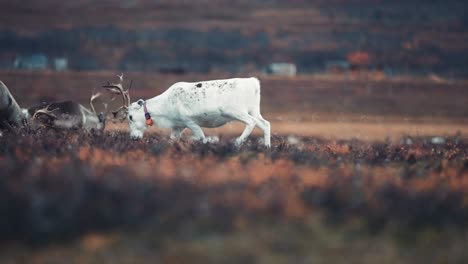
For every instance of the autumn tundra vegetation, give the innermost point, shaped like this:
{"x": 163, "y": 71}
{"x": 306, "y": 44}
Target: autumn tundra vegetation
{"x": 89, "y": 193}
{"x": 363, "y": 159}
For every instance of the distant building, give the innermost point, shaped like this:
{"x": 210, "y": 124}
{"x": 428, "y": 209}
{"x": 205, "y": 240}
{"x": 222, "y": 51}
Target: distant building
{"x": 31, "y": 62}
{"x": 282, "y": 68}
{"x": 60, "y": 64}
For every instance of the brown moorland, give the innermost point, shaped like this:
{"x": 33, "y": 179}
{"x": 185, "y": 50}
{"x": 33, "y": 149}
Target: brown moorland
{"x": 111, "y": 199}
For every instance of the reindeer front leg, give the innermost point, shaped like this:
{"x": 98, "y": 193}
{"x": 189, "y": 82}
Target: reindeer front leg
{"x": 197, "y": 131}
{"x": 176, "y": 133}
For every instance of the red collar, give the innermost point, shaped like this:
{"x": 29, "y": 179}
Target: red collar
{"x": 149, "y": 121}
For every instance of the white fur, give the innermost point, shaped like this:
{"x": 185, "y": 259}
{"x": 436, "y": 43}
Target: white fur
{"x": 25, "y": 113}
{"x": 215, "y": 103}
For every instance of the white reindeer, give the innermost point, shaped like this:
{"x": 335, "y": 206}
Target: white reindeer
{"x": 200, "y": 104}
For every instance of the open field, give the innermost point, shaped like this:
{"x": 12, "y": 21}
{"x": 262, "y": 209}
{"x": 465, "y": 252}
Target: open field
{"x": 349, "y": 129}
{"x": 302, "y": 98}
{"x": 333, "y": 107}
{"x": 354, "y": 175}
{"x": 369, "y": 156}
{"x": 102, "y": 198}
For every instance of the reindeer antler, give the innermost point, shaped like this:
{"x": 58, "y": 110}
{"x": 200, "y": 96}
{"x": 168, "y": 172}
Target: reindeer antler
{"x": 117, "y": 89}
{"x": 47, "y": 112}
{"x": 94, "y": 96}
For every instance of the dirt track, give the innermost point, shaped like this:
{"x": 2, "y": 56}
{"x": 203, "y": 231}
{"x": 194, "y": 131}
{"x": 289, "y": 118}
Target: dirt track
{"x": 334, "y": 130}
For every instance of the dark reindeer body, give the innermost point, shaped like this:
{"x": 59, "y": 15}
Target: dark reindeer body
{"x": 62, "y": 114}
{"x": 66, "y": 114}
{"x": 10, "y": 111}
{"x": 56, "y": 114}
{"x": 64, "y": 107}
{"x": 59, "y": 114}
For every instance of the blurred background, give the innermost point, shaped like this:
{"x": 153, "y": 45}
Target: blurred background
{"x": 383, "y": 37}
{"x": 319, "y": 61}
{"x": 368, "y": 104}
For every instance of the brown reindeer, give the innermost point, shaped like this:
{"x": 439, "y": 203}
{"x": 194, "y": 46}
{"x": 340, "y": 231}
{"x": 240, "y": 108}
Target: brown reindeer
{"x": 10, "y": 112}
{"x": 61, "y": 114}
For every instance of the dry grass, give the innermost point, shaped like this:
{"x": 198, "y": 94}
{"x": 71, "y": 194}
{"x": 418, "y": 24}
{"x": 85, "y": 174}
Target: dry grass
{"x": 352, "y": 177}
{"x": 103, "y": 198}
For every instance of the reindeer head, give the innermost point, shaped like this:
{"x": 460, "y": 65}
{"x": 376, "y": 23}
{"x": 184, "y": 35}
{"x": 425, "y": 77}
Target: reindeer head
{"x": 137, "y": 119}
{"x": 127, "y": 110}
{"x": 134, "y": 112}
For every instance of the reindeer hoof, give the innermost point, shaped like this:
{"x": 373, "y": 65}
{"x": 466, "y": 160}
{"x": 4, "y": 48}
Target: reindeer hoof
{"x": 213, "y": 139}
{"x": 238, "y": 142}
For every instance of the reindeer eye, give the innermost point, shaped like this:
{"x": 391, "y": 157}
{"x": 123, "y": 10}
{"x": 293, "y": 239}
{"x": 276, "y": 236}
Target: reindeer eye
{"x": 130, "y": 117}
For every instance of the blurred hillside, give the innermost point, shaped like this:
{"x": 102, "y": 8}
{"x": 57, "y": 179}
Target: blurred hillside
{"x": 398, "y": 37}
